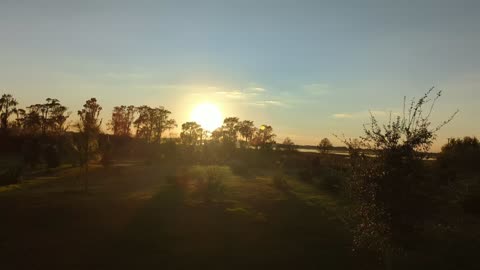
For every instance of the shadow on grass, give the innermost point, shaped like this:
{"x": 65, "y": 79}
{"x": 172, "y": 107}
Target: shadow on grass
{"x": 170, "y": 234}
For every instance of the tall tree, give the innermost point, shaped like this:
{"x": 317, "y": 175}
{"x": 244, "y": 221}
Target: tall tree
{"x": 191, "y": 134}
{"x": 89, "y": 128}
{"x": 246, "y": 129}
{"x": 230, "y": 129}
{"x": 288, "y": 145}
{"x": 54, "y": 116}
{"x": 324, "y": 145}
{"x": 49, "y": 117}
{"x": 153, "y": 122}
{"x": 8, "y": 107}
{"x": 264, "y": 137}
{"x": 122, "y": 120}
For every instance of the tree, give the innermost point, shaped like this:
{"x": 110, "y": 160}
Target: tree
{"x": 8, "y": 107}
{"x": 388, "y": 191}
{"x": 288, "y": 145}
{"x": 153, "y": 122}
{"x": 49, "y": 117}
{"x": 54, "y": 116}
{"x": 246, "y": 129}
{"x": 122, "y": 120}
{"x": 89, "y": 129}
{"x": 324, "y": 146}
{"x": 230, "y": 130}
{"x": 264, "y": 137}
{"x": 191, "y": 133}
{"x": 460, "y": 154}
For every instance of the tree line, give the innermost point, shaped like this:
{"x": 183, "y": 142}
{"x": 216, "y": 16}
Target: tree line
{"x": 142, "y": 122}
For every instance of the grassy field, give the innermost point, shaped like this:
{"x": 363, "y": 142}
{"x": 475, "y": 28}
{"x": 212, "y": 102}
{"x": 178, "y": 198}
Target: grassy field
{"x": 151, "y": 216}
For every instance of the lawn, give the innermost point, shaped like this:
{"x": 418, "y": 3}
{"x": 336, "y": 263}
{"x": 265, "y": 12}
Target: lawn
{"x": 138, "y": 216}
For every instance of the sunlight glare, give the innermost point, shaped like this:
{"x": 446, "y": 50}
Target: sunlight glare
{"x": 207, "y": 115}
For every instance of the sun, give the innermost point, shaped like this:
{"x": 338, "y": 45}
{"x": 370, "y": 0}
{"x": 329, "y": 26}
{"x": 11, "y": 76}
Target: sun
{"x": 207, "y": 115}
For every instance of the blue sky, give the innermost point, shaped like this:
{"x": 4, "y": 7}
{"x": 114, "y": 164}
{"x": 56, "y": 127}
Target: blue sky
{"x": 309, "y": 68}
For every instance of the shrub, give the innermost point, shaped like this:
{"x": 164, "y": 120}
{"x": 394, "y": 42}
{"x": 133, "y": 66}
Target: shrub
{"x": 388, "y": 190}
{"x": 10, "y": 176}
{"x": 332, "y": 181}
{"x": 280, "y": 181}
{"x": 209, "y": 180}
{"x": 240, "y": 168}
{"x": 52, "y": 156}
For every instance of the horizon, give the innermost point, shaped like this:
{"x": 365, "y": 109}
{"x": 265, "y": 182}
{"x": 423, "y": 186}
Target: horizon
{"x": 309, "y": 69}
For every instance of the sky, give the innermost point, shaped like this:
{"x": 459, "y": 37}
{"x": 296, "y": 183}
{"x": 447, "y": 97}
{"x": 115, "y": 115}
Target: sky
{"x": 308, "y": 68}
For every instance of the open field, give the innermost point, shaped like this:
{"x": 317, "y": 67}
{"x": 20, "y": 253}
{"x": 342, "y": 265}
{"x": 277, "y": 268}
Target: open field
{"x": 133, "y": 216}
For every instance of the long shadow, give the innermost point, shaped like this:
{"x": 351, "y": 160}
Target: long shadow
{"x": 169, "y": 234}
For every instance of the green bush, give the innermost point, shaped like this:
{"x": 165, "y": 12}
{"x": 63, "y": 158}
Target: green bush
{"x": 209, "y": 180}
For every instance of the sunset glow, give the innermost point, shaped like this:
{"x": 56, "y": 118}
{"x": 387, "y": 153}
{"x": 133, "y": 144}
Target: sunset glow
{"x": 207, "y": 115}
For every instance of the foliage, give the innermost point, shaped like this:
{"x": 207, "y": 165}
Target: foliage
{"x": 388, "y": 190}
{"x": 288, "y": 145}
{"x": 460, "y": 154}
{"x": 264, "y": 138}
{"x": 89, "y": 129}
{"x": 47, "y": 118}
{"x": 52, "y": 156}
{"x": 209, "y": 180}
{"x": 246, "y": 129}
{"x": 122, "y": 120}
{"x": 8, "y": 107}
{"x": 10, "y": 175}
{"x": 152, "y": 123}
{"x": 192, "y": 133}
{"x": 324, "y": 145}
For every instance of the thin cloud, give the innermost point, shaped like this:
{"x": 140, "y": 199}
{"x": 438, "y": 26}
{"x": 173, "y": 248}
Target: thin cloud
{"x": 342, "y": 115}
{"x": 365, "y": 114}
{"x": 317, "y": 89}
{"x": 257, "y": 89}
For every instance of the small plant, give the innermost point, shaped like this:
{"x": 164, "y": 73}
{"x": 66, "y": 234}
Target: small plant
{"x": 280, "y": 181}
{"x": 210, "y": 181}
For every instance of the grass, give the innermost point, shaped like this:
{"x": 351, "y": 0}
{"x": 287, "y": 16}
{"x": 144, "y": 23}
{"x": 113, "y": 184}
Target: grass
{"x": 163, "y": 216}
{"x": 133, "y": 217}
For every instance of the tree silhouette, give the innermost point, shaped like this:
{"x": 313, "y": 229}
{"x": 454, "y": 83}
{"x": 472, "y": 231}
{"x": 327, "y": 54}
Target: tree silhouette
{"x": 264, "y": 137}
{"x": 191, "y": 134}
{"x": 8, "y": 107}
{"x": 89, "y": 129}
{"x": 46, "y": 118}
{"x": 230, "y": 130}
{"x": 122, "y": 120}
{"x": 153, "y": 122}
{"x": 288, "y": 145}
{"x": 324, "y": 146}
{"x": 246, "y": 129}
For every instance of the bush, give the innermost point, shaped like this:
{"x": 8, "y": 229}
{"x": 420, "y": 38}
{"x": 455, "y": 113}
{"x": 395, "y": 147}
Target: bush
{"x": 240, "y": 168}
{"x": 280, "y": 181}
{"x": 332, "y": 181}
{"x": 471, "y": 202}
{"x": 52, "y": 157}
{"x": 209, "y": 180}
{"x": 10, "y": 176}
